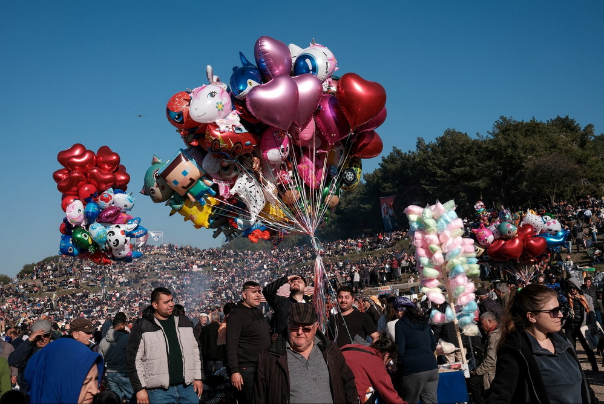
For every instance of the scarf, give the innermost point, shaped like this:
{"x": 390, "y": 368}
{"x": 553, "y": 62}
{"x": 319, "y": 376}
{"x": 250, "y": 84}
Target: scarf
{"x": 581, "y": 299}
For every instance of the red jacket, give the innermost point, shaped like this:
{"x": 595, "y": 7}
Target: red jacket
{"x": 369, "y": 371}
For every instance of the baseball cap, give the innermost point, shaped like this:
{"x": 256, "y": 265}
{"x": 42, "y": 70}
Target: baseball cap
{"x": 300, "y": 277}
{"x": 82, "y": 324}
{"x": 43, "y": 325}
{"x": 400, "y": 302}
{"x": 302, "y": 313}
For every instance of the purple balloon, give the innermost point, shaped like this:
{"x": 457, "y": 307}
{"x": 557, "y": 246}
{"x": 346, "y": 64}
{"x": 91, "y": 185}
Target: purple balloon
{"x": 309, "y": 95}
{"x": 330, "y": 120}
{"x": 272, "y": 58}
{"x": 108, "y": 215}
{"x": 275, "y": 103}
{"x": 374, "y": 122}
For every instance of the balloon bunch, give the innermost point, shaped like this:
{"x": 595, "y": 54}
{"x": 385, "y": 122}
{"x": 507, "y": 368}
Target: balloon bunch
{"x": 270, "y": 153}
{"x": 445, "y": 261}
{"x": 96, "y": 225}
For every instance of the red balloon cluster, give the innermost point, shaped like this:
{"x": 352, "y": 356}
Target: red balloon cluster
{"x": 86, "y": 173}
{"x": 522, "y": 247}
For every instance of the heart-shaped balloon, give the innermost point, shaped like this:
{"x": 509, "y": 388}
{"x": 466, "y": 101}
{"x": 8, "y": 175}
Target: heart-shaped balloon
{"x": 60, "y": 174}
{"x": 74, "y": 150}
{"x": 309, "y": 95}
{"x": 360, "y": 99}
{"x": 82, "y": 162}
{"x": 274, "y": 103}
{"x": 367, "y": 145}
{"x": 66, "y": 200}
{"x": 109, "y": 215}
{"x": 87, "y": 191}
{"x": 273, "y": 58}
{"x": 512, "y": 248}
{"x": 107, "y": 159}
{"x": 525, "y": 232}
{"x": 71, "y": 185}
{"x": 330, "y": 120}
{"x": 101, "y": 179}
{"x": 535, "y": 246}
{"x": 494, "y": 250}
{"x": 303, "y": 137}
{"x": 122, "y": 178}
{"x": 374, "y": 122}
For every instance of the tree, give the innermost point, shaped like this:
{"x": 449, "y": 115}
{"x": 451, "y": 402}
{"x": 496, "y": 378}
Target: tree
{"x": 5, "y": 279}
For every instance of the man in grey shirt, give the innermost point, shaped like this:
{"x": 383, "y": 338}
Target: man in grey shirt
{"x": 303, "y": 366}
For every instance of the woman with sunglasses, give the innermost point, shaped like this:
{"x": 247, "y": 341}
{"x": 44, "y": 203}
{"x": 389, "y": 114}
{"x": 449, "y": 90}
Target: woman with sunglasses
{"x": 535, "y": 362}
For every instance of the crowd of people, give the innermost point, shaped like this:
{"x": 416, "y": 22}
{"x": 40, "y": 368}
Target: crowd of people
{"x": 184, "y": 324}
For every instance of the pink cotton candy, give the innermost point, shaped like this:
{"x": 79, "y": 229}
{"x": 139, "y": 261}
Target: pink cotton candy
{"x": 430, "y": 283}
{"x": 438, "y": 210}
{"x": 465, "y": 299}
{"x": 436, "y": 297}
{"x": 431, "y": 239}
{"x": 444, "y": 236}
{"x": 437, "y": 258}
{"x": 458, "y": 280}
{"x": 436, "y": 317}
{"x": 414, "y": 210}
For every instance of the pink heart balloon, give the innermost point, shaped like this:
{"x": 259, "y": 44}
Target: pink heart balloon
{"x": 374, "y": 122}
{"x": 330, "y": 120}
{"x": 273, "y": 58}
{"x": 274, "y": 103}
{"x": 309, "y": 95}
{"x": 303, "y": 136}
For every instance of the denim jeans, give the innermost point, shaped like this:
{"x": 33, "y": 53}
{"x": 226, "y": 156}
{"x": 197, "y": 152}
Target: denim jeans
{"x": 179, "y": 394}
{"x": 120, "y": 383}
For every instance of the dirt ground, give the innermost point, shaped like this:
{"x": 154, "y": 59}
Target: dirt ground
{"x": 596, "y": 379}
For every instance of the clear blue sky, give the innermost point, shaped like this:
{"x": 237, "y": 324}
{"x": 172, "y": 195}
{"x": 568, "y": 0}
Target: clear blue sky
{"x": 81, "y": 72}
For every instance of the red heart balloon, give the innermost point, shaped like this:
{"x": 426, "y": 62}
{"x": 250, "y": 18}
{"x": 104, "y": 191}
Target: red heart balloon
{"x": 330, "y": 120}
{"x": 82, "y": 162}
{"x": 525, "y": 232}
{"x": 99, "y": 257}
{"x": 107, "y": 159}
{"x": 360, "y": 99}
{"x": 62, "y": 228}
{"x": 71, "y": 184}
{"x": 60, "y": 174}
{"x": 122, "y": 178}
{"x": 535, "y": 246}
{"x": 74, "y": 150}
{"x": 367, "y": 145}
{"x": 374, "y": 122}
{"x": 494, "y": 250}
{"x": 87, "y": 191}
{"x": 101, "y": 179}
{"x": 512, "y": 248}
{"x": 66, "y": 200}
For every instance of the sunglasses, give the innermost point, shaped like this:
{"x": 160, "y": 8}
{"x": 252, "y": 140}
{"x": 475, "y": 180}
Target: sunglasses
{"x": 305, "y": 329}
{"x": 553, "y": 313}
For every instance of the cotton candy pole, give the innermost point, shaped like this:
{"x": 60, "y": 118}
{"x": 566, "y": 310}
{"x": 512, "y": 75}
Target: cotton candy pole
{"x": 445, "y": 259}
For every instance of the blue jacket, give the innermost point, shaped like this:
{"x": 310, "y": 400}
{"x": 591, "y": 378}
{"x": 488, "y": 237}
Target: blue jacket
{"x": 416, "y": 346}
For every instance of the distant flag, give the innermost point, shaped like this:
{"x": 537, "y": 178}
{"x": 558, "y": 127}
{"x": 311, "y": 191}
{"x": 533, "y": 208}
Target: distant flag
{"x": 387, "y": 208}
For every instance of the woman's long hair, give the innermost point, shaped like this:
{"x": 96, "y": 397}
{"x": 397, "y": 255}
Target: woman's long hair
{"x": 530, "y": 298}
{"x": 416, "y": 315}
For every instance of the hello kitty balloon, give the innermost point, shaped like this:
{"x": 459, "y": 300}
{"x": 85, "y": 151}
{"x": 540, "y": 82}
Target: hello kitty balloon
{"x": 210, "y": 102}
{"x": 534, "y": 220}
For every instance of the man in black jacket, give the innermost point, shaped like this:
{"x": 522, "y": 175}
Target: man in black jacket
{"x": 319, "y": 373}
{"x": 248, "y": 334}
{"x": 281, "y": 304}
{"x": 38, "y": 339}
{"x": 213, "y": 354}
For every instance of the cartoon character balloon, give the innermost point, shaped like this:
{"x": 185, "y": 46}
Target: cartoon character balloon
{"x": 155, "y": 186}
{"x": 210, "y": 102}
{"x": 316, "y": 59}
{"x": 244, "y": 78}
{"x": 484, "y": 236}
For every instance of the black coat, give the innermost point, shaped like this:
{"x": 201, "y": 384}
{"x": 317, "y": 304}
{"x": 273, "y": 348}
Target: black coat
{"x": 517, "y": 375}
{"x": 271, "y": 384}
{"x": 280, "y": 304}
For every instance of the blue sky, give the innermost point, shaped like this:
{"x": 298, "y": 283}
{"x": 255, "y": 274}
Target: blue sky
{"x": 81, "y": 72}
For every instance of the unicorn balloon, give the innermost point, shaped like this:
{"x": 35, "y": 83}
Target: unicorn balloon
{"x": 210, "y": 102}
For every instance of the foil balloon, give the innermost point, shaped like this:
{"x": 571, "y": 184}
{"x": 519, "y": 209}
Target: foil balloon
{"x": 177, "y": 111}
{"x": 123, "y": 201}
{"x": 98, "y": 232}
{"x": 107, "y": 159}
{"x": 317, "y": 60}
{"x": 367, "y": 145}
{"x": 534, "y": 220}
{"x": 87, "y": 191}
{"x": 274, "y": 146}
{"x": 250, "y": 193}
{"x": 220, "y": 168}
{"x": 311, "y": 169}
{"x": 360, "y": 99}
{"x": 60, "y": 174}
{"x": 512, "y": 249}
{"x": 374, "y": 122}
{"x": 210, "y": 103}
{"x": 75, "y": 150}
{"x": 551, "y": 226}
{"x": 82, "y": 162}
{"x": 483, "y": 235}
{"x": 75, "y": 212}
{"x": 244, "y": 78}
{"x": 535, "y": 246}
{"x": 82, "y": 238}
{"x": 309, "y": 95}
{"x": 556, "y": 240}
{"x": 101, "y": 179}
{"x": 68, "y": 246}
{"x": 273, "y": 58}
{"x": 330, "y": 120}
{"x": 66, "y": 200}
{"x": 507, "y": 230}
{"x": 303, "y": 136}
{"x": 91, "y": 211}
{"x": 71, "y": 185}
{"x": 274, "y": 103}
{"x": 155, "y": 186}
